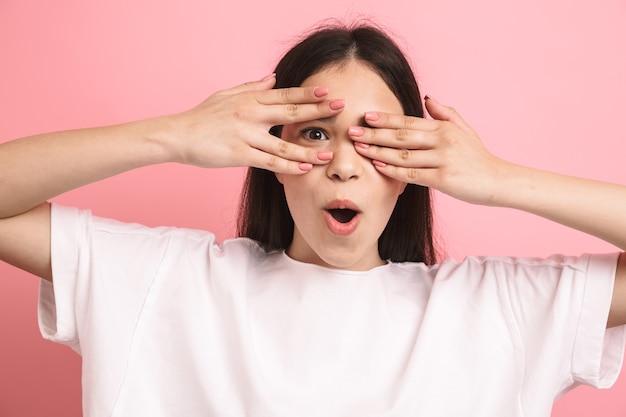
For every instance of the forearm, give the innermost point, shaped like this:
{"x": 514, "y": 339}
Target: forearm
{"x": 593, "y": 207}
{"x": 447, "y": 155}
{"x": 230, "y": 128}
{"x": 40, "y": 167}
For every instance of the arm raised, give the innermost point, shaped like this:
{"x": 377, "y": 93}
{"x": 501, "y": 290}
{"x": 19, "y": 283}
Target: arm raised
{"x": 447, "y": 155}
{"x": 230, "y": 128}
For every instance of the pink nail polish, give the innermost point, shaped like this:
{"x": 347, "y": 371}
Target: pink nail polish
{"x": 355, "y": 131}
{"x": 362, "y": 145}
{"x": 324, "y": 155}
{"x": 380, "y": 164}
{"x": 320, "y": 91}
{"x": 337, "y": 104}
{"x": 305, "y": 166}
{"x": 372, "y": 116}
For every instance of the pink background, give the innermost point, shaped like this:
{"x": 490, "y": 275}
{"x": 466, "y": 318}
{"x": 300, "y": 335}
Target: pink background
{"x": 542, "y": 81}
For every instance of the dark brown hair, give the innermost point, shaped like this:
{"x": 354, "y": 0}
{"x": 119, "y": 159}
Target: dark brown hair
{"x": 264, "y": 215}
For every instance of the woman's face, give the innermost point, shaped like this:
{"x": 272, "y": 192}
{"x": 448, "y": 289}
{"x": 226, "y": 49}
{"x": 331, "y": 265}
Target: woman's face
{"x": 341, "y": 209}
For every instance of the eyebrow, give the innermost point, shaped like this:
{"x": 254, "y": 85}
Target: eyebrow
{"x": 327, "y": 120}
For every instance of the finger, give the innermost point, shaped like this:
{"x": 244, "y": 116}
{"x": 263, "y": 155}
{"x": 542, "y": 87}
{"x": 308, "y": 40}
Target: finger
{"x": 440, "y": 112}
{"x": 264, "y": 84}
{"x": 399, "y": 121}
{"x": 298, "y": 112}
{"x": 282, "y": 149}
{"x": 293, "y": 95}
{"x": 399, "y": 157}
{"x": 278, "y": 164}
{"x": 394, "y": 138}
{"x": 419, "y": 176}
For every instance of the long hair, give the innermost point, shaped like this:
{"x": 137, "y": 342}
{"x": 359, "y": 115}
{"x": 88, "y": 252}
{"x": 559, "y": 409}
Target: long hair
{"x": 264, "y": 215}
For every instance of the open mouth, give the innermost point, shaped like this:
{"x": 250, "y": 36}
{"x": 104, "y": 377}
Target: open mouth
{"x": 342, "y": 215}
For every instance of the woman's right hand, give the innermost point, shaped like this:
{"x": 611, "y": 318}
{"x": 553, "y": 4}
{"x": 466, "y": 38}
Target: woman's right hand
{"x": 231, "y": 128}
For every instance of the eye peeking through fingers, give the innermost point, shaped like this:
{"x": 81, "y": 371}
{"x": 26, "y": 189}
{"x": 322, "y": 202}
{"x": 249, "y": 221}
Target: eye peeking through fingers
{"x": 314, "y": 133}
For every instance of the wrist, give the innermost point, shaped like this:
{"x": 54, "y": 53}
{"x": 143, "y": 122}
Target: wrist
{"x": 509, "y": 184}
{"x": 158, "y": 138}
{"x": 523, "y": 188}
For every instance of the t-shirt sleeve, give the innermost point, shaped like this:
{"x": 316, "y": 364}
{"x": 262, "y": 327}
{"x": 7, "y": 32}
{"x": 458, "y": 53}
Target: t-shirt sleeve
{"x": 561, "y": 306}
{"x": 108, "y": 281}
{"x": 57, "y": 309}
{"x": 598, "y": 352}
{"x": 95, "y": 256}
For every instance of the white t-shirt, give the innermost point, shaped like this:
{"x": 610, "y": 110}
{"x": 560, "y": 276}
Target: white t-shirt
{"x": 171, "y": 323}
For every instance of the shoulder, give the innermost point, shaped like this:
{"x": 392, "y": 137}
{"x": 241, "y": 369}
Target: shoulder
{"x": 508, "y": 275}
{"x": 510, "y": 267}
{"x": 80, "y": 229}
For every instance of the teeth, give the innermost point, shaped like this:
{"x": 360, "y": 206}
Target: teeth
{"x": 342, "y": 215}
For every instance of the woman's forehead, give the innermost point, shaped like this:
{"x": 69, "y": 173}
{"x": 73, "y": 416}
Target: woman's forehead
{"x": 358, "y": 84}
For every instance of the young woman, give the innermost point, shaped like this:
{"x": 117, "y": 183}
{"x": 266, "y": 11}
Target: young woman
{"x": 332, "y": 303}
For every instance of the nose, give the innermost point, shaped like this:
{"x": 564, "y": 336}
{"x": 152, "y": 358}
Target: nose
{"x": 346, "y": 164}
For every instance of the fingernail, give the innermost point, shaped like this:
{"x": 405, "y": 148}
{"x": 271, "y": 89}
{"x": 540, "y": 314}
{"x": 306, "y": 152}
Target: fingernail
{"x": 320, "y": 91}
{"x": 305, "y": 166}
{"x": 355, "y": 131}
{"x": 324, "y": 155}
{"x": 337, "y": 104}
{"x": 379, "y": 163}
{"x": 372, "y": 116}
{"x": 269, "y": 77}
{"x": 362, "y": 145}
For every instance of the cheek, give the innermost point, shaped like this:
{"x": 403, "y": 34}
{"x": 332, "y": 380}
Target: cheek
{"x": 393, "y": 191}
{"x": 299, "y": 200}
{"x": 393, "y": 188}
{"x": 296, "y": 187}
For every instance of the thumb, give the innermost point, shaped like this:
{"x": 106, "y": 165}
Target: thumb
{"x": 440, "y": 112}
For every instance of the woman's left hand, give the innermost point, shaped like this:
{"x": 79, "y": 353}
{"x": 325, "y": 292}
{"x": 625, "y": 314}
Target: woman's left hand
{"x": 444, "y": 153}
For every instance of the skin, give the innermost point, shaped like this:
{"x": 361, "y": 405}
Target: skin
{"x": 231, "y": 129}
{"x": 348, "y": 176}
{"x": 446, "y": 154}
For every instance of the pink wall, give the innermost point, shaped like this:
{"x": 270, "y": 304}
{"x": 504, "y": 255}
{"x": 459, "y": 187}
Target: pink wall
{"x": 542, "y": 81}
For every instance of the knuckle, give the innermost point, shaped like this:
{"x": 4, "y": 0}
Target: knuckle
{"x": 272, "y": 161}
{"x": 283, "y": 147}
{"x": 410, "y": 123}
{"x": 240, "y": 112}
{"x": 405, "y": 154}
{"x": 292, "y": 109}
{"x": 412, "y": 173}
{"x": 284, "y": 94}
{"x": 402, "y": 135}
